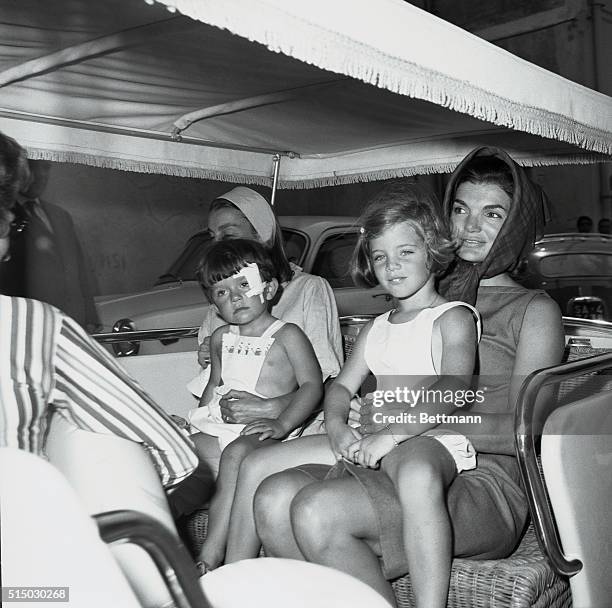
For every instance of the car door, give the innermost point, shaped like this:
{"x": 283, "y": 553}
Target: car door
{"x": 331, "y": 261}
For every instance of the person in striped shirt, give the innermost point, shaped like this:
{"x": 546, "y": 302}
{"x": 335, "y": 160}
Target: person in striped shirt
{"x": 48, "y": 363}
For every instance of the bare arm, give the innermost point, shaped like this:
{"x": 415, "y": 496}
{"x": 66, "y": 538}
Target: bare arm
{"x": 215, "y": 366}
{"x": 540, "y": 344}
{"x": 338, "y": 397}
{"x": 298, "y": 350}
{"x": 307, "y": 374}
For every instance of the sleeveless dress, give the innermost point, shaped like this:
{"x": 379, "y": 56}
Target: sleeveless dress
{"x": 242, "y": 358}
{"x": 394, "y": 364}
{"x": 487, "y": 505}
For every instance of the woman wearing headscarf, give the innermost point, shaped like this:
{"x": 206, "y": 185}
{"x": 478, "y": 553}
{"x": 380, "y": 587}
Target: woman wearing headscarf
{"x": 496, "y": 215}
{"x": 305, "y": 299}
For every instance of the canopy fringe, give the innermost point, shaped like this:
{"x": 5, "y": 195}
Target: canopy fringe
{"x": 392, "y": 173}
{"x": 317, "y": 46}
{"x": 123, "y": 164}
{"x": 298, "y": 183}
{"x": 413, "y": 81}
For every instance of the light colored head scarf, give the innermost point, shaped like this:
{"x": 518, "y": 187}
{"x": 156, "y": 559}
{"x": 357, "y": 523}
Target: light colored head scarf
{"x": 255, "y": 208}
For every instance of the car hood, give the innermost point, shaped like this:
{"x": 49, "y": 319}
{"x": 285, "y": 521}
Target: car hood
{"x": 153, "y": 303}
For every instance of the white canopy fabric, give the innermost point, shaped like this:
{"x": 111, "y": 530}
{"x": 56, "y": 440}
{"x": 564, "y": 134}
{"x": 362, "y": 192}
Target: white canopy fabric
{"x": 343, "y": 90}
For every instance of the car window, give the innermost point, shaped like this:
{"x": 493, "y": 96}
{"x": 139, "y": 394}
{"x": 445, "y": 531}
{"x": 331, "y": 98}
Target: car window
{"x": 333, "y": 258}
{"x": 577, "y": 264}
{"x": 186, "y": 265}
{"x": 295, "y": 245}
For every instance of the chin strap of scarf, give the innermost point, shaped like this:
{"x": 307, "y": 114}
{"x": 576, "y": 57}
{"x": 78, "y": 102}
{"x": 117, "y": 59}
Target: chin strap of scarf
{"x": 523, "y": 226}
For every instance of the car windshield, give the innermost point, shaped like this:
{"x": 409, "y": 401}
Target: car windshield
{"x": 185, "y": 266}
{"x": 577, "y": 264}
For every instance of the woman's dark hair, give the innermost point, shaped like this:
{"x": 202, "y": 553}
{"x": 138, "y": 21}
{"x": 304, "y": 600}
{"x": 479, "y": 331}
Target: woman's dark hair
{"x": 273, "y": 245}
{"x": 394, "y": 205}
{"x": 488, "y": 170}
{"x": 14, "y": 172}
{"x": 6, "y": 219}
{"x": 226, "y": 258}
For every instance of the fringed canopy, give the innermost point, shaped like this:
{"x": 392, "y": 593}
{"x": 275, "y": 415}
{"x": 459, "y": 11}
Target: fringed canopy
{"x": 344, "y": 91}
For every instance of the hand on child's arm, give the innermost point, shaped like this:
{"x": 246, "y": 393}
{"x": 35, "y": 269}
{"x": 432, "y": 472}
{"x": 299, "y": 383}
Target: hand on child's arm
{"x": 242, "y": 407}
{"x": 371, "y": 449}
{"x": 267, "y": 427}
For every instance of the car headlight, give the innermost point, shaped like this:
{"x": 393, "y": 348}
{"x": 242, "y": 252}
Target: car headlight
{"x": 125, "y": 349}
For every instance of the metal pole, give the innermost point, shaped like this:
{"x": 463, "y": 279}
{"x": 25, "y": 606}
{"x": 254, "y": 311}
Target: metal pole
{"x": 276, "y": 160}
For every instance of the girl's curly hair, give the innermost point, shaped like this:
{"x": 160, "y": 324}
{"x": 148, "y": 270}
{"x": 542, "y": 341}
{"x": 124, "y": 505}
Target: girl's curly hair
{"x": 396, "y": 204}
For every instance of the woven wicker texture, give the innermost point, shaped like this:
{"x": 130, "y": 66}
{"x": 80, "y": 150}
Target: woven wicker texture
{"x": 523, "y": 580}
{"x": 195, "y": 527}
{"x": 520, "y": 581}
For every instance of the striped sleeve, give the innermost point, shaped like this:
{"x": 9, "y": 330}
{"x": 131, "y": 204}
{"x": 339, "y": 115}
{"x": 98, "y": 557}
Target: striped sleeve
{"x": 99, "y": 396}
{"x": 28, "y": 335}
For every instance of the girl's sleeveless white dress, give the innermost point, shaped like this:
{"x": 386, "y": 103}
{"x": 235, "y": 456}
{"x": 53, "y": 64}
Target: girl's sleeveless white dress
{"x": 242, "y": 358}
{"x": 406, "y": 349}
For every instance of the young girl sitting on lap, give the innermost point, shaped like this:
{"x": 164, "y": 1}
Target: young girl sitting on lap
{"x": 422, "y": 350}
{"x": 257, "y": 353}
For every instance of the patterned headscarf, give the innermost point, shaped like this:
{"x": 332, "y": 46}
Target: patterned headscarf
{"x": 523, "y": 226}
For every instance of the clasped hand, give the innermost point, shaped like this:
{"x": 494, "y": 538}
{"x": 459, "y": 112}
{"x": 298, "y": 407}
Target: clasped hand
{"x": 348, "y": 443}
{"x": 369, "y": 451}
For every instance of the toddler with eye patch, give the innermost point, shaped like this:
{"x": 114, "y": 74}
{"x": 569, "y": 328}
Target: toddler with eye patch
{"x": 254, "y": 352}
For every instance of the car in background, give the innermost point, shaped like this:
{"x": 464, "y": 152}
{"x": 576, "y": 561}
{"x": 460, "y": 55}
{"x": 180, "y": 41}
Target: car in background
{"x": 321, "y": 245}
{"x": 575, "y": 269}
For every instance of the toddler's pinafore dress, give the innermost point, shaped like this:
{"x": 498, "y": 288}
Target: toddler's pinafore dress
{"x": 242, "y": 358}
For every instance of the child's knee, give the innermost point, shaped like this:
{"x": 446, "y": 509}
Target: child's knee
{"x": 255, "y": 467}
{"x": 235, "y": 453}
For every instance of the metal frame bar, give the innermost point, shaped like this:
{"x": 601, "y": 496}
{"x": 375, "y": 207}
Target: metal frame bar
{"x": 527, "y": 419}
{"x": 276, "y": 159}
{"x": 248, "y": 103}
{"x": 141, "y": 133}
{"x": 146, "y": 334}
{"x": 104, "y": 45}
{"x": 185, "y": 332}
{"x": 166, "y": 550}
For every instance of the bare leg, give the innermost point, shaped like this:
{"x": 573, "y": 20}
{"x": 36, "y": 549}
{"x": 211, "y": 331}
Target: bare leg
{"x": 213, "y": 549}
{"x": 335, "y": 525}
{"x": 243, "y": 542}
{"x": 421, "y": 476}
{"x": 271, "y": 506}
{"x": 195, "y": 491}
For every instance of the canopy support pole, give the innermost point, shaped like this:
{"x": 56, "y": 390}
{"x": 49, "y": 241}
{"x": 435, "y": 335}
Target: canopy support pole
{"x": 94, "y": 48}
{"x": 239, "y": 105}
{"x": 276, "y": 159}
